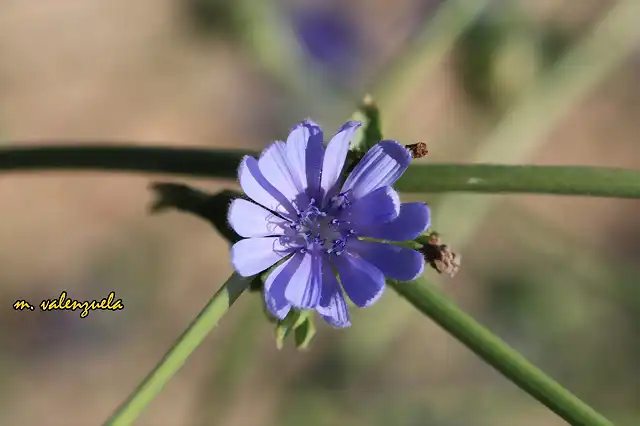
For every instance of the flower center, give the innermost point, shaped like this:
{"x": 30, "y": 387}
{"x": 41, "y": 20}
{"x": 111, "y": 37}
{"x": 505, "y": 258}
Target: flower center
{"x": 318, "y": 230}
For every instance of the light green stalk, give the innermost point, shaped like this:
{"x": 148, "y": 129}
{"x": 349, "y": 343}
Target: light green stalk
{"x": 175, "y": 358}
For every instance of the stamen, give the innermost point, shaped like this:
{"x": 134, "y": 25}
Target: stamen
{"x": 310, "y": 212}
{"x": 338, "y": 247}
{"x": 336, "y": 222}
{"x": 307, "y": 237}
{"x": 341, "y": 201}
{"x": 295, "y": 226}
{"x": 285, "y": 239}
{"x": 315, "y": 231}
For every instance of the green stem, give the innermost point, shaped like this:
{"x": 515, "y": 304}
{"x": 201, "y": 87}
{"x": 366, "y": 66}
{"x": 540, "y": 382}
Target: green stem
{"x": 123, "y": 158}
{"x": 169, "y": 365}
{"x": 484, "y": 178}
{"x": 491, "y": 178}
{"x": 428, "y": 300}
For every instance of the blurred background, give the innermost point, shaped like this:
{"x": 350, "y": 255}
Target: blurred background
{"x": 530, "y": 81}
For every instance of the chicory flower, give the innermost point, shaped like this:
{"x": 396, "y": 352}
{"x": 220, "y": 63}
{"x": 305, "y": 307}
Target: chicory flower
{"x": 311, "y": 222}
{"x": 330, "y": 37}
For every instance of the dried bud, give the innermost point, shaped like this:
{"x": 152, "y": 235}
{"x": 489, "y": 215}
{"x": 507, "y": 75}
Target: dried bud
{"x": 418, "y": 150}
{"x": 440, "y": 257}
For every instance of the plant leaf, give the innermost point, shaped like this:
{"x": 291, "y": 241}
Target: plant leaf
{"x": 371, "y": 131}
{"x": 301, "y": 323}
{"x": 284, "y": 327}
{"x": 212, "y": 208}
{"x": 305, "y": 330}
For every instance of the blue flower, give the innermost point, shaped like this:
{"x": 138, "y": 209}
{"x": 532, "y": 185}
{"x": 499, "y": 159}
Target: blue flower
{"x": 307, "y": 218}
{"x": 331, "y": 37}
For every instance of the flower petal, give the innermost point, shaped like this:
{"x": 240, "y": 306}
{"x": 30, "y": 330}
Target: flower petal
{"x": 251, "y": 220}
{"x": 303, "y": 290}
{"x": 381, "y": 166}
{"x": 253, "y": 255}
{"x": 275, "y": 285}
{"x": 335, "y": 156}
{"x": 396, "y": 262}
{"x": 413, "y": 220}
{"x": 260, "y": 190}
{"x": 332, "y": 305}
{"x": 362, "y": 281}
{"x": 275, "y": 167}
{"x": 377, "y": 207}
{"x": 305, "y": 152}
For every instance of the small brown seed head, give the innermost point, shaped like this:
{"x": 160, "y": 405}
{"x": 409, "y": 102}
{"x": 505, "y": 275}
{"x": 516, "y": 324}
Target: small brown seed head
{"x": 418, "y": 150}
{"x": 440, "y": 257}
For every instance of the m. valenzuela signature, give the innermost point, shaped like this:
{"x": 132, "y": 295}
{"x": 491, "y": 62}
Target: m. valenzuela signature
{"x": 63, "y": 303}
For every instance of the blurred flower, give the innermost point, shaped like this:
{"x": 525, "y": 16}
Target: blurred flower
{"x": 310, "y": 223}
{"x": 331, "y": 37}
{"x": 332, "y": 34}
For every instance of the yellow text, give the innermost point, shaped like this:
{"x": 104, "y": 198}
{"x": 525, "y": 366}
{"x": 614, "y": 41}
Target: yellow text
{"x": 62, "y": 303}
{"x": 21, "y": 305}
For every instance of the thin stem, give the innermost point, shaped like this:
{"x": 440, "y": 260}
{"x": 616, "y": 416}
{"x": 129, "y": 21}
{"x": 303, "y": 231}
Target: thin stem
{"x": 169, "y": 365}
{"x": 493, "y": 178}
{"x": 428, "y": 300}
{"x": 483, "y": 178}
{"x": 124, "y": 158}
